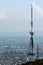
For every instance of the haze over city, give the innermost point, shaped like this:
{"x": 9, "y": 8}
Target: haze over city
{"x": 21, "y": 32}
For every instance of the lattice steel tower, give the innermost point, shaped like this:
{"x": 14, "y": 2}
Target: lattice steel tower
{"x": 31, "y": 44}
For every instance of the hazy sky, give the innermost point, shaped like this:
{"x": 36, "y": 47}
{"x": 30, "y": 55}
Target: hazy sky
{"x": 15, "y": 15}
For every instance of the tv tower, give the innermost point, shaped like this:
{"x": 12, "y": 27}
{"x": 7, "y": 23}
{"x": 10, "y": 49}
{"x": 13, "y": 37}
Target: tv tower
{"x": 31, "y": 44}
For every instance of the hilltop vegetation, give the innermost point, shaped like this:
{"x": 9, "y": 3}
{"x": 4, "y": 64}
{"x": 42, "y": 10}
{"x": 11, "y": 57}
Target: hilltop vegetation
{"x": 37, "y": 62}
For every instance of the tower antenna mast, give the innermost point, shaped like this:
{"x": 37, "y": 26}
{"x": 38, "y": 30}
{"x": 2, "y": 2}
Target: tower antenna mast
{"x": 31, "y": 44}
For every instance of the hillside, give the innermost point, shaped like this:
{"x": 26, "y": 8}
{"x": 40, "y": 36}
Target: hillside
{"x": 37, "y": 62}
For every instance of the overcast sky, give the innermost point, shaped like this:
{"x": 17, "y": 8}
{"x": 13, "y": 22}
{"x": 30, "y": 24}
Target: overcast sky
{"x": 15, "y": 15}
